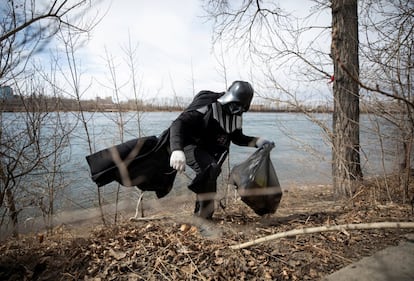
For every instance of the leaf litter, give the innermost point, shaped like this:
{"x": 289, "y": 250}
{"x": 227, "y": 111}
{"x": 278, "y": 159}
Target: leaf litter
{"x": 182, "y": 248}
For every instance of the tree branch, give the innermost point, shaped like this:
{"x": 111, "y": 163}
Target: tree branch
{"x": 311, "y": 230}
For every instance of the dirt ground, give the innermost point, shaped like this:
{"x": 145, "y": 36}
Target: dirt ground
{"x": 170, "y": 244}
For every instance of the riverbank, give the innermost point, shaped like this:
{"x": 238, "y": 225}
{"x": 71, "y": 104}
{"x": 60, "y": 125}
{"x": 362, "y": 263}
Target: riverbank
{"x": 169, "y": 244}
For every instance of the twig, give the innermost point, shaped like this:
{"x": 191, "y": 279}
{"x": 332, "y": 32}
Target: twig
{"x": 330, "y": 253}
{"x": 153, "y": 218}
{"x": 310, "y": 230}
{"x": 356, "y": 195}
{"x": 134, "y": 218}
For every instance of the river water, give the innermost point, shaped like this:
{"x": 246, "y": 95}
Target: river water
{"x": 301, "y": 156}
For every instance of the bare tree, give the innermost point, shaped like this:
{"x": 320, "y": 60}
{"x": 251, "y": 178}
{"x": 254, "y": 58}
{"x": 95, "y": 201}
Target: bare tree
{"x": 121, "y": 88}
{"x": 30, "y": 148}
{"x": 346, "y": 168}
{"x": 387, "y": 52}
{"x": 26, "y": 29}
{"x": 131, "y": 52}
{"x": 274, "y": 38}
{"x": 75, "y": 88}
{"x": 27, "y": 26}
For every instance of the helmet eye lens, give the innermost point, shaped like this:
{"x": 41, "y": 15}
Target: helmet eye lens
{"x": 235, "y": 108}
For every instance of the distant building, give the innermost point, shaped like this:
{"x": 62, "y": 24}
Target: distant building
{"x": 6, "y": 93}
{"x": 104, "y": 101}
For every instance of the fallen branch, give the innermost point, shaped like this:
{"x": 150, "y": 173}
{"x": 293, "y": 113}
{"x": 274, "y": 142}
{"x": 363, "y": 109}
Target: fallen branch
{"x": 135, "y": 218}
{"x": 310, "y": 230}
{"x": 153, "y": 218}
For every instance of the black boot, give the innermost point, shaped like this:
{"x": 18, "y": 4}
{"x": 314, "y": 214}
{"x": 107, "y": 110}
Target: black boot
{"x": 204, "y": 208}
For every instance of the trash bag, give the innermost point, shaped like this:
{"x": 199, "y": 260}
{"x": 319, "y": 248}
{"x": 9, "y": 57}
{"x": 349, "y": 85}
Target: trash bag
{"x": 256, "y": 181}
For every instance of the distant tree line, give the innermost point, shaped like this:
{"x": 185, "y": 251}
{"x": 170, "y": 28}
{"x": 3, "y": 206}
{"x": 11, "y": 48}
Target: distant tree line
{"x": 18, "y": 103}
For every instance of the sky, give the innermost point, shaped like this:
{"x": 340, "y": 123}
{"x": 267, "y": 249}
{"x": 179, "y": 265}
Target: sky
{"x": 174, "y": 49}
{"x": 173, "y": 46}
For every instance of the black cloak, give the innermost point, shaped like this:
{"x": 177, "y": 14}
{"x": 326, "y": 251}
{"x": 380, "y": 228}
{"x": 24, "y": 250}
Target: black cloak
{"x": 203, "y": 98}
{"x": 141, "y": 162}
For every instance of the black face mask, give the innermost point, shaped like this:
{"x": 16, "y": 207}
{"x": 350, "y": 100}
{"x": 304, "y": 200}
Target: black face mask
{"x": 234, "y": 108}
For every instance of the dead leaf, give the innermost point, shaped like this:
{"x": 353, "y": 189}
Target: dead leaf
{"x": 118, "y": 255}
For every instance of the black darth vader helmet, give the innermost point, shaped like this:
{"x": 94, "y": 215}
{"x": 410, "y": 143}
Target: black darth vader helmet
{"x": 239, "y": 94}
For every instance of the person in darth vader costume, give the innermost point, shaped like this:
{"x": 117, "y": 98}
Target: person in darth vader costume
{"x": 200, "y": 138}
{"x": 201, "y": 135}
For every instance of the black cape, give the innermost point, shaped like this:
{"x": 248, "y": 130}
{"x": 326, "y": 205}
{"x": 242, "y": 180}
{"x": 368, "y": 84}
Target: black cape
{"x": 141, "y": 162}
{"x": 203, "y": 98}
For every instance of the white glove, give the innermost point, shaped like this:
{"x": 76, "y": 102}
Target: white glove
{"x": 177, "y": 160}
{"x": 262, "y": 141}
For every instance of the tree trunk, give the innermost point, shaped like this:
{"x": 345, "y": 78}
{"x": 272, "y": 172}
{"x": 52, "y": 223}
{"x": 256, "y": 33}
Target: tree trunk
{"x": 12, "y": 211}
{"x": 346, "y": 168}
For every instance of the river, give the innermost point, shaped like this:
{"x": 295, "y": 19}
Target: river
{"x": 302, "y": 155}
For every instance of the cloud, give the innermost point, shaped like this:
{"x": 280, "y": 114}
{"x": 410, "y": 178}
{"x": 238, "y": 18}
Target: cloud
{"x": 174, "y": 50}
{"x": 174, "y": 42}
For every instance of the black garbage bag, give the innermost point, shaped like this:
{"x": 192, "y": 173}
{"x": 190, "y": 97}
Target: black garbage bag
{"x": 257, "y": 183}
